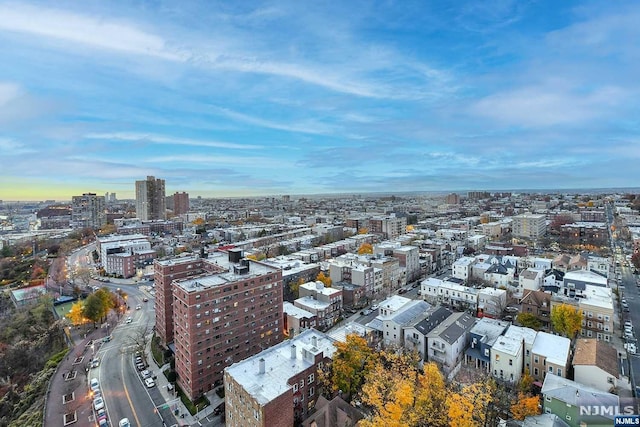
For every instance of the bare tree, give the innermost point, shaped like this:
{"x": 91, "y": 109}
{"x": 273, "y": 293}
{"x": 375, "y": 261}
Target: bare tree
{"x": 140, "y": 339}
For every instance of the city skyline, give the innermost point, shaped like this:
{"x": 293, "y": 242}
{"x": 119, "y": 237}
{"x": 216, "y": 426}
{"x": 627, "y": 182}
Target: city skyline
{"x": 228, "y": 100}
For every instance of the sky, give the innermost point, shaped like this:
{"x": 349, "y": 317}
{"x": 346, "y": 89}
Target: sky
{"x": 234, "y": 99}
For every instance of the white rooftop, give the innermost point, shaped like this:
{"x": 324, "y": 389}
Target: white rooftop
{"x": 507, "y": 345}
{"x": 340, "y": 333}
{"x": 297, "y": 312}
{"x": 464, "y": 261}
{"x": 279, "y": 366}
{"x": 118, "y": 238}
{"x": 553, "y": 347}
{"x": 521, "y": 333}
{"x": 221, "y": 259}
{"x": 394, "y": 303}
{"x": 319, "y": 288}
{"x": 312, "y": 303}
{"x": 585, "y": 276}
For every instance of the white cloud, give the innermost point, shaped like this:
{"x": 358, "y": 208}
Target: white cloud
{"x": 536, "y": 106}
{"x": 84, "y": 30}
{"x": 8, "y": 92}
{"x": 168, "y": 140}
{"x": 10, "y": 147}
{"x": 311, "y": 127}
{"x": 250, "y": 161}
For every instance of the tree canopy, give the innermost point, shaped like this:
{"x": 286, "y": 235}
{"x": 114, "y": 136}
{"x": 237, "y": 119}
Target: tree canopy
{"x": 566, "y": 320}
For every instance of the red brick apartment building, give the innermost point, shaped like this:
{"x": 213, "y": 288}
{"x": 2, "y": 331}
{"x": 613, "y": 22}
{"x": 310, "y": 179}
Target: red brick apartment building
{"x": 279, "y": 386}
{"x": 220, "y": 317}
{"x": 165, "y": 272}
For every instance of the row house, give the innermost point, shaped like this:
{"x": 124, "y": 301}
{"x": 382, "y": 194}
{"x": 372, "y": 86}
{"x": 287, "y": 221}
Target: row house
{"x": 550, "y": 354}
{"x": 537, "y": 303}
{"x": 530, "y": 279}
{"x": 568, "y": 399}
{"x": 491, "y": 302}
{"x": 448, "y": 293}
{"x": 526, "y": 336}
{"x": 595, "y": 364}
{"x": 462, "y": 268}
{"x": 575, "y": 282}
{"x": 415, "y": 335}
{"x": 482, "y": 336}
{"x": 393, "y": 324}
{"x": 597, "y": 307}
{"x": 447, "y": 341}
{"x": 296, "y": 319}
{"x": 318, "y": 291}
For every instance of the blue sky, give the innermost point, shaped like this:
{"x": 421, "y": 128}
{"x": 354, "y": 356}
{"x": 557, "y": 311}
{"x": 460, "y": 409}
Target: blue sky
{"x": 262, "y": 98}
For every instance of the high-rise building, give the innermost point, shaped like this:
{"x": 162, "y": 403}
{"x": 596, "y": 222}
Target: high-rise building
{"x": 223, "y": 317}
{"x": 165, "y": 272}
{"x": 532, "y": 226}
{"x": 150, "y": 199}
{"x": 180, "y": 203}
{"x": 452, "y": 199}
{"x": 88, "y": 211}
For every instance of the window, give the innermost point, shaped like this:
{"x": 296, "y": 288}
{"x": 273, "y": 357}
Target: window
{"x": 486, "y": 352}
{"x": 302, "y": 383}
{"x": 510, "y": 362}
{"x": 551, "y": 369}
{"x": 547, "y": 398}
{"x": 310, "y": 378}
{"x": 535, "y": 371}
{"x": 535, "y": 359}
{"x": 559, "y": 372}
{"x": 295, "y": 388}
{"x": 311, "y": 391}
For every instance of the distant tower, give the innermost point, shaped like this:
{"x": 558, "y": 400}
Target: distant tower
{"x": 180, "y": 203}
{"x": 150, "y": 199}
{"x": 88, "y": 211}
{"x": 452, "y": 199}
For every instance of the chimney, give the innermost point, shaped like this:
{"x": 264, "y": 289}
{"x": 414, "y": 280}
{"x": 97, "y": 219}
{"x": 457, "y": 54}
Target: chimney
{"x": 314, "y": 341}
{"x": 293, "y": 351}
{"x": 319, "y": 285}
{"x": 261, "y": 366}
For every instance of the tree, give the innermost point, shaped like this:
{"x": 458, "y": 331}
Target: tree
{"x": 469, "y": 406}
{"x": 92, "y": 308}
{"x": 295, "y": 286}
{"x": 352, "y": 361}
{"x": 324, "y": 279}
{"x": 76, "y": 314}
{"x": 525, "y": 406}
{"x": 635, "y": 260}
{"x": 529, "y": 320}
{"x": 566, "y": 320}
{"x": 391, "y": 395}
{"x": 430, "y": 405}
{"x": 84, "y": 275}
{"x": 365, "y": 248}
{"x": 363, "y": 230}
{"x": 525, "y": 383}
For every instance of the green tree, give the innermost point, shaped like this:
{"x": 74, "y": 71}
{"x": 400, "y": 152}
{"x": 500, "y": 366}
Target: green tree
{"x": 93, "y": 308}
{"x": 529, "y": 320}
{"x": 566, "y": 320}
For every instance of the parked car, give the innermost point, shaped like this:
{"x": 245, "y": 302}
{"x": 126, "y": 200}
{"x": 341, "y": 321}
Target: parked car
{"x": 94, "y": 384}
{"x": 129, "y": 320}
{"x": 124, "y": 423}
{"x": 145, "y": 299}
{"x": 138, "y": 307}
{"x": 145, "y": 374}
{"x": 374, "y": 307}
{"x": 630, "y": 347}
{"x": 149, "y": 382}
{"x": 98, "y": 403}
{"x": 219, "y": 409}
{"x": 366, "y": 312}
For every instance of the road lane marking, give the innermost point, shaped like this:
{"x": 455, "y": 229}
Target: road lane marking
{"x": 126, "y": 392}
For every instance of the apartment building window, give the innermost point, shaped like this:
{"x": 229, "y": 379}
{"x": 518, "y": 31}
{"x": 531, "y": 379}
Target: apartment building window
{"x": 311, "y": 378}
{"x": 559, "y": 372}
{"x": 295, "y": 387}
{"x": 302, "y": 383}
{"x": 535, "y": 371}
{"x": 510, "y": 362}
{"x": 311, "y": 391}
{"x": 535, "y": 359}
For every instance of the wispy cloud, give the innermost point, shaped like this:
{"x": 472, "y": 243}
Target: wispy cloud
{"x": 249, "y": 161}
{"x": 310, "y": 126}
{"x": 168, "y": 140}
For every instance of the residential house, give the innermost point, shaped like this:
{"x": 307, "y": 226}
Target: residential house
{"x": 491, "y": 302}
{"x": 577, "y": 404}
{"x": 296, "y": 319}
{"x": 447, "y": 341}
{"x": 506, "y": 359}
{"x": 393, "y": 325}
{"x": 462, "y": 268}
{"x": 527, "y": 336}
{"x": 549, "y": 355}
{"x": 595, "y": 364}
{"x": 597, "y": 308}
{"x": 449, "y": 293}
{"x": 538, "y": 303}
{"x": 415, "y": 336}
{"x": 531, "y": 280}
{"x": 481, "y": 337}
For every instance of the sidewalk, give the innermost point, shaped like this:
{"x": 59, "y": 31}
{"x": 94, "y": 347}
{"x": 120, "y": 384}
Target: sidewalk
{"x": 68, "y": 391}
{"x": 171, "y": 397}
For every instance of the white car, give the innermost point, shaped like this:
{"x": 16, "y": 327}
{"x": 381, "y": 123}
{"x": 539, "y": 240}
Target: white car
{"x": 630, "y": 347}
{"x": 95, "y": 385}
{"x": 124, "y": 423}
{"x": 149, "y": 382}
{"x": 145, "y": 374}
{"x": 98, "y": 403}
{"x": 138, "y": 307}
{"x": 129, "y": 320}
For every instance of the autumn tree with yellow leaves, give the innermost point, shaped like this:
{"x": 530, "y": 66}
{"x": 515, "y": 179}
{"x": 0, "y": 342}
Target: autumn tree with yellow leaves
{"x": 566, "y": 320}
{"x": 76, "y": 314}
{"x": 525, "y": 406}
{"x": 470, "y": 405}
{"x": 351, "y": 363}
{"x": 324, "y": 279}
{"x": 365, "y": 248}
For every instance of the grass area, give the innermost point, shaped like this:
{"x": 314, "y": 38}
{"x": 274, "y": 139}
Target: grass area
{"x": 63, "y": 309}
